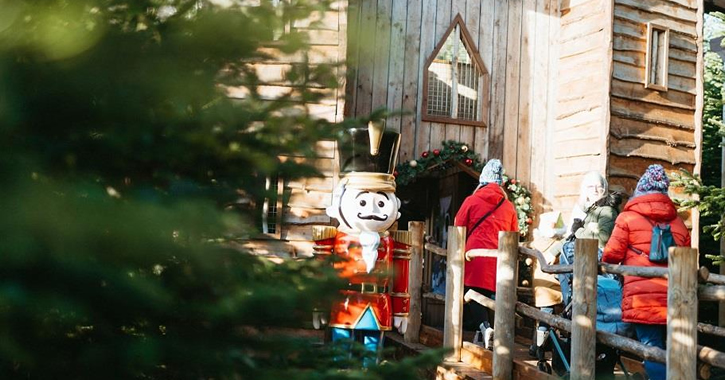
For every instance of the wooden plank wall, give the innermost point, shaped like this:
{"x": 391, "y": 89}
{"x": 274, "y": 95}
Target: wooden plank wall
{"x": 308, "y": 198}
{"x": 393, "y": 40}
{"x": 650, "y": 126}
{"x": 578, "y": 142}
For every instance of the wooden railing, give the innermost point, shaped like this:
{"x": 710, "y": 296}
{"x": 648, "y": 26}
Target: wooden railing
{"x": 681, "y": 356}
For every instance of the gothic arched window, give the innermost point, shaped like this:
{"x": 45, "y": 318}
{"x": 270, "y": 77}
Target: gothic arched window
{"x": 455, "y": 79}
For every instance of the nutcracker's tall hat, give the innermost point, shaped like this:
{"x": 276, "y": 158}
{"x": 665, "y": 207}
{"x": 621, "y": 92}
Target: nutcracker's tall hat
{"x": 368, "y": 157}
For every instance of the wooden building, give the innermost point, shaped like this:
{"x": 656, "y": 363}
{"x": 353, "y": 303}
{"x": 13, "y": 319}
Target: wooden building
{"x": 288, "y": 217}
{"x": 554, "y": 88}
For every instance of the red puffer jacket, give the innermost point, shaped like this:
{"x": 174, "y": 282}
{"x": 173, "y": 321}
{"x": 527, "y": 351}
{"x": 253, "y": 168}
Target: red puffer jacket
{"x": 481, "y": 271}
{"x": 644, "y": 300}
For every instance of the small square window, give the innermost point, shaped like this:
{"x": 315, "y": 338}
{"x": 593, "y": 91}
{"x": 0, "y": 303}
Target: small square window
{"x": 658, "y": 50}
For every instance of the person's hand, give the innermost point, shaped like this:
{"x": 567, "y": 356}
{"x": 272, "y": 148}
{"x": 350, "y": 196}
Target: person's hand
{"x": 319, "y": 319}
{"x": 401, "y": 323}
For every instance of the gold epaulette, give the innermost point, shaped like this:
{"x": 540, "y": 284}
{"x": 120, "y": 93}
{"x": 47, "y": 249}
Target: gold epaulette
{"x": 323, "y": 232}
{"x": 405, "y": 237}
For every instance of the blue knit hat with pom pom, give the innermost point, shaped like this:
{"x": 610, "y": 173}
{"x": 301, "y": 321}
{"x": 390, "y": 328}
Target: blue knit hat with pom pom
{"x": 654, "y": 180}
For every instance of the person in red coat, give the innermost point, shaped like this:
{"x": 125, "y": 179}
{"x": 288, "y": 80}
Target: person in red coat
{"x": 484, "y": 213}
{"x": 644, "y": 300}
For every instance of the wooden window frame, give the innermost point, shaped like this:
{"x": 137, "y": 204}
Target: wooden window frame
{"x": 279, "y": 203}
{"x": 651, "y": 27}
{"x": 476, "y": 56}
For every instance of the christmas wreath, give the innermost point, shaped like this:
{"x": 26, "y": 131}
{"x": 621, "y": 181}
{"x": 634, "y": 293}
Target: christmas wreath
{"x": 520, "y": 196}
{"x": 454, "y": 152}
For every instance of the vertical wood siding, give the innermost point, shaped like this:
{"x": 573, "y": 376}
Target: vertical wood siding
{"x": 513, "y": 39}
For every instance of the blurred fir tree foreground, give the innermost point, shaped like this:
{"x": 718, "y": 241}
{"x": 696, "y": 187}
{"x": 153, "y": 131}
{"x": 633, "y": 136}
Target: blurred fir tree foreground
{"x": 123, "y": 162}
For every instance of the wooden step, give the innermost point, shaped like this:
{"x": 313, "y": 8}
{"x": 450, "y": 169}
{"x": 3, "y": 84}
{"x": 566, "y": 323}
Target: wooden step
{"x": 460, "y": 371}
{"x": 477, "y": 362}
{"x": 524, "y": 367}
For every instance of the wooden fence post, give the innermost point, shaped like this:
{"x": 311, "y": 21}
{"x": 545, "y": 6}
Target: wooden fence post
{"x": 504, "y": 321}
{"x": 584, "y": 310}
{"x": 417, "y": 229}
{"x": 453, "y": 324}
{"x": 682, "y": 314}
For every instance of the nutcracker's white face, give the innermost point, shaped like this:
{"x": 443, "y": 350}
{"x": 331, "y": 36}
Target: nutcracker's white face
{"x": 364, "y": 210}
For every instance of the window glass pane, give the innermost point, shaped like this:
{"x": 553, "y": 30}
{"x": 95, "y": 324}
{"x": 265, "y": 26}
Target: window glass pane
{"x": 454, "y": 81}
{"x": 440, "y": 74}
{"x": 660, "y": 69}
{"x": 657, "y": 57}
{"x": 468, "y": 85}
{"x": 269, "y": 210}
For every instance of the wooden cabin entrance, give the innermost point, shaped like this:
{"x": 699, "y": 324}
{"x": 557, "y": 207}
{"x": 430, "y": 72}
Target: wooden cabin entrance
{"x": 436, "y": 199}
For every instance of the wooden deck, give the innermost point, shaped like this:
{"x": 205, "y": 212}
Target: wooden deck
{"x": 476, "y": 362}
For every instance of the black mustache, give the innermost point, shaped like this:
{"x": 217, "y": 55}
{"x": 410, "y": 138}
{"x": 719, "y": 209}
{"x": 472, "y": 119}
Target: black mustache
{"x": 372, "y": 217}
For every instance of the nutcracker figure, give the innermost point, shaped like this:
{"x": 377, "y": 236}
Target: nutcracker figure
{"x": 374, "y": 260}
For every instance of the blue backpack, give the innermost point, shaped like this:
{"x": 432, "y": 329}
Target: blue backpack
{"x": 661, "y": 241}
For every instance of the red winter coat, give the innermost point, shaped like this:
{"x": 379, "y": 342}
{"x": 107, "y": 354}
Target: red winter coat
{"x": 481, "y": 271}
{"x": 644, "y": 300}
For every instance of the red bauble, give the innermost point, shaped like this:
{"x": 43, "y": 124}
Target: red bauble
{"x": 513, "y": 181}
{"x": 424, "y": 154}
{"x": 529, "y": 221}
{"x": 395, "y": 173}
{"x": 468, "y": 161}
{"x": 436, "y": 152}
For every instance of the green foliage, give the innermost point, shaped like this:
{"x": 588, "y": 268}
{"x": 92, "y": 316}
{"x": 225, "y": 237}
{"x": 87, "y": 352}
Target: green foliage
{"x": 438, "y": 159}
{"x": 710, "y": 199}
{"x": 709, "y": 194}
{"x": 145, "y": 82}
{"x": 127, "y": 175}
{"x": 712, "y": 125}
{"x": 520, "y": 196}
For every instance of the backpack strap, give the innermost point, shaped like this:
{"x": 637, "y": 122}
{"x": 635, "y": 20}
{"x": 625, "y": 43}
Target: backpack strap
{"x": 486, "y": 216}
{"x": 639, "y": 251}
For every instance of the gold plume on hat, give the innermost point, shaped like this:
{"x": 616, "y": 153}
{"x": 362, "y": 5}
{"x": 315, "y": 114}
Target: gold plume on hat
{"x": 375, "y": 130}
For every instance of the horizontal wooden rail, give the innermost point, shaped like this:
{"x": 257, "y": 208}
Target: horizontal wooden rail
{"x": 472, "y": 254}
{"x": 630, "y": 270}
{"x": 705, "y": 354}
{"x": 625, "y": 270}
{"x": 706, "y": 276}
{"x": 472, "y": 295}
{"x": 613, "y": 340}
{"x": 436, "y": 249}
{"x": 710, "y": 356}
{"x": 710, "y": 329}
{"x": 434, "y": 296}
{"x": 545, "y": 267}
{"x": 716, "y": 278}
{"x": 711, "y": 293}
